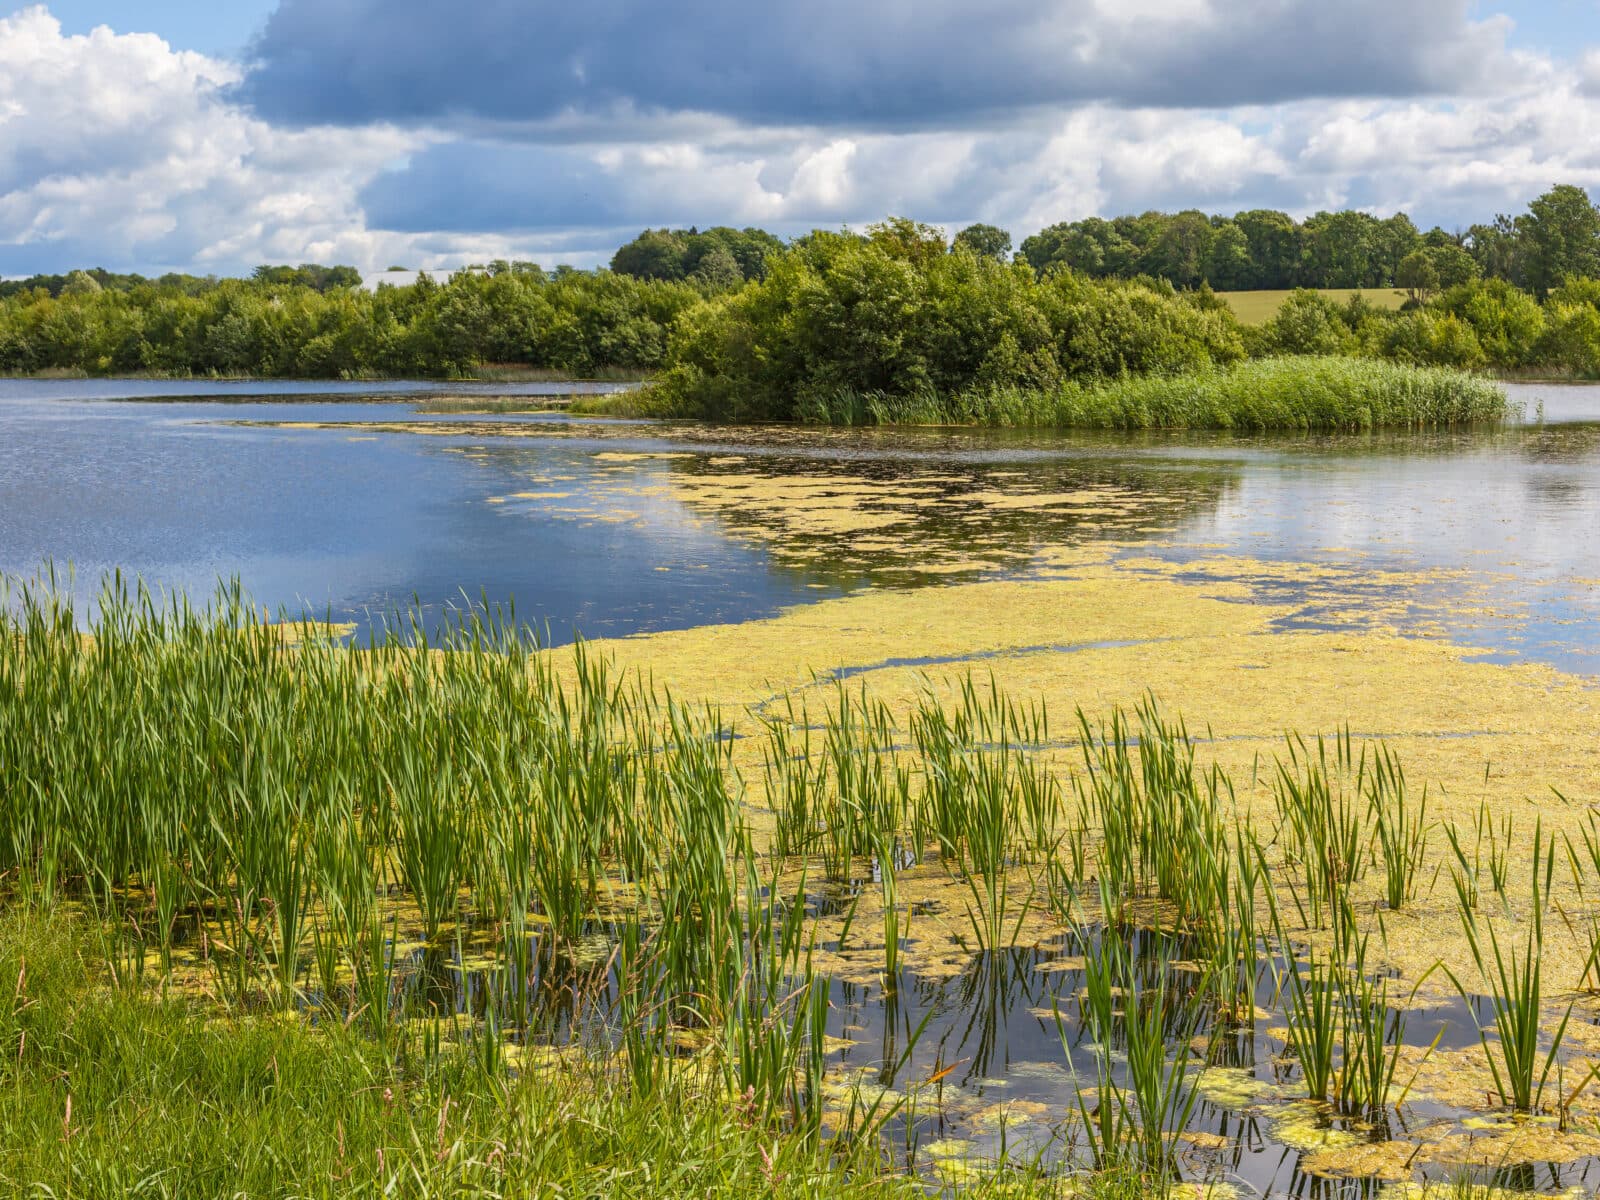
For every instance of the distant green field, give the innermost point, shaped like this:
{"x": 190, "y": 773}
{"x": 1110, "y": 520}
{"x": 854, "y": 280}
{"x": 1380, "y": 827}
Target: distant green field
{"x": 1257, "y": 308}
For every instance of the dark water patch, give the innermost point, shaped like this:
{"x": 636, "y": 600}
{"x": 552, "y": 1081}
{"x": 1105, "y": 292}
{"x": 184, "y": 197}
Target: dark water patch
{"x": 999, "y": 1059}
{"x": 842, "y": 674}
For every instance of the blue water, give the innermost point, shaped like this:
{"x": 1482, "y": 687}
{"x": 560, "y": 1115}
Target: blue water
{"x": 356, "y": 522}
{"x": 312, "y": 520}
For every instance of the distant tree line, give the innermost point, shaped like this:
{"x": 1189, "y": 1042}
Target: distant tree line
{"x": 1557, "y": 238}
{"x": 740, "y": 324}
{"x": 98, "y": 280}
{"x": 575, "y": 322}
{"x": 312, "y": 275}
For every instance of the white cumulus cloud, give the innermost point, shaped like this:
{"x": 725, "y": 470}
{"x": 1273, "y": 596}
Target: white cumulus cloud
{"x": 117, "y": 149}
{"x": 120, "y": 150}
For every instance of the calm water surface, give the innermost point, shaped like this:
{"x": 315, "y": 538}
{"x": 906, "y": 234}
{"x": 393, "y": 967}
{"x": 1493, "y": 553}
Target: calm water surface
{"x": 602, "y": 527}
{"x": 348, "y": 499}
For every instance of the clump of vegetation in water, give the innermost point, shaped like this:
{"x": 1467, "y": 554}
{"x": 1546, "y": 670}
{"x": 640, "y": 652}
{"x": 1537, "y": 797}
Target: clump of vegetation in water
{"x": 404, "y": 887}
{"x": 895, "y": 329}
{"x": 1303, "y": 394}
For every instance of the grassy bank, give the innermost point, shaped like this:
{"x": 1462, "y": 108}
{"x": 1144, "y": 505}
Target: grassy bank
{"x": 112, "y": 1093}
{"x": 1295, "y": 394}
{"x": 290, "y": 919}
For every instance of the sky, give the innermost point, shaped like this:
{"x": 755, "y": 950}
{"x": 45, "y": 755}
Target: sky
{"x": 209, "y": 137}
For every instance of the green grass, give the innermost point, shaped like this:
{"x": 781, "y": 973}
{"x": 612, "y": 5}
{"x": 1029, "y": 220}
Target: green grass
{"x": 1257, "y": 308}
{"x": 1296, "y": 394}
{"x": 641, "y": 403}
{"x": 1337, "y": 395}
{"x": 106, "y": 1094}
{"x": 1523, "y": 1055}
{"x": 1311, "y": 394}
{"x": 228, "y": 859}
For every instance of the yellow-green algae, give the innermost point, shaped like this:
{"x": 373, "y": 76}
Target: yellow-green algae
{"x": 1105, "y": 628}
{"x": 1474, "y": 731}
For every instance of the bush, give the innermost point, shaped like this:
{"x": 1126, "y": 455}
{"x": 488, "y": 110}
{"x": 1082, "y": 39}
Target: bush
{"x": 1426, "y": 339}
{"x": 1571, "y": 343}
{"x": 1508, "y": 322}
{"x": 895, "y": 318}
{"x": 1307, "y": 323}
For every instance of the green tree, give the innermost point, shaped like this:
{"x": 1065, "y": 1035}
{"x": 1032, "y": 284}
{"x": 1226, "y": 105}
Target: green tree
{"x": 1228, "y": 265}
{"x": 1274, "y": 247}
{"x": 674, "y": 254}
{"x": 1342, "y": 251}
{"x": 1499, "y": 249}
{"x": 1430, "y": 339}
{"x": 908, "y": 240}
{"x": 1393, "y": 241}
{"x": 1306, "y": 323}
{"x": 1508, "y": 322}
{"x": 1453, "y": 263}
{"x": 1563, "y": 234}
{"x": 1181, "y": 250}
{"x": 654, "y": 254}
{"x": 754, "y": 248}
{"x": 986, "y": 241}
{"x": 1418, "y": 276}
{"x": 718, "y": 269}
{"x": 1093, "y": 246}
{"x": 81, "y": 283}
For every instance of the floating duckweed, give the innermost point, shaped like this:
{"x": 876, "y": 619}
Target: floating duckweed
{"x": 1011, "y": 1112}
{"x": 1233, "y": 1087}
{"x": 1303, "y": 1125}
{"x": 1387, "y": 1161}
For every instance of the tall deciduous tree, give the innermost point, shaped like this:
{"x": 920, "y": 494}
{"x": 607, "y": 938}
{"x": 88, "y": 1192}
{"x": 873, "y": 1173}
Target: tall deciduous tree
{"x": 1563, "y": 233}
{"x": 1418, "y": 276}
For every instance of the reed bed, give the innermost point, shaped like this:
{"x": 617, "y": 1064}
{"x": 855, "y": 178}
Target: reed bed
{"x": 1296, "y": 394}
{"x": 297, "y": 828}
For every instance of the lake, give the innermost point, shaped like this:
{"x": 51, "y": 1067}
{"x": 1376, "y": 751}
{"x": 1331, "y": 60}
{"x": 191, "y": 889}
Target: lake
{"x": 1103, "y": 565}
{"x": 345, "y": 499}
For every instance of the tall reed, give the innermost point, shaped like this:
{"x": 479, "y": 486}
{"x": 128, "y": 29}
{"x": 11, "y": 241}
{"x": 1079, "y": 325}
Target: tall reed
{"x": 1514, "y": 980}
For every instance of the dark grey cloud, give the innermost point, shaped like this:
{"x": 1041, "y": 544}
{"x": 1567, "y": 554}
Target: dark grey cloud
{"x": 889, "y": 64}
{"x": 468, "y": 186}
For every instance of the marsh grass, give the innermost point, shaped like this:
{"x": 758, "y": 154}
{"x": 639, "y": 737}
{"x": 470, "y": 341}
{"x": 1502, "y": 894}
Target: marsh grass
{"x": 1490, "y": 856}
{"x": 1320, "y": 822}
{"x": 1583, "y": 863}
{"x": 456, "y": 863}
{"x": 1522, "y": 1058}
{"x": 1346, "y": 1029}
{"x": 1141, "y": 1020}
{"x": 1400, "y": 828}
{"x": 1345, "y": 395}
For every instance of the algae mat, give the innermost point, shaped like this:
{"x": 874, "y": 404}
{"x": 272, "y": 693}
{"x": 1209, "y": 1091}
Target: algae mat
{"x": 1108, "y": 632}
